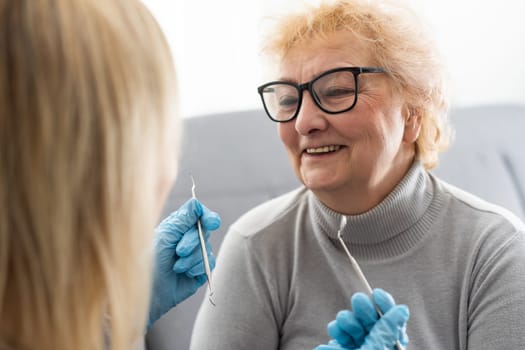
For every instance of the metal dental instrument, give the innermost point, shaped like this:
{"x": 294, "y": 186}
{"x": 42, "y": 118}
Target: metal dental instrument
{"x": 358, "y": 270}
{"x": 203, "y": 249}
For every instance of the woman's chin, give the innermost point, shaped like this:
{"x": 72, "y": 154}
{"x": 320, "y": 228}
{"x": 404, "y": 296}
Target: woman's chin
{"x": 319, "y": 180}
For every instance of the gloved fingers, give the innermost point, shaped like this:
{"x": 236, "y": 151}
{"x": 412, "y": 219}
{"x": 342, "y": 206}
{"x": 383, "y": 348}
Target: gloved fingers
{"x": 199, "y": 269}
{"x": 172, "y": 228}
{"x": 190, "y": 238}
{"x": 167, "y": 234}
{"x": 165, "y": 245}
{"x": 351, "y": 327}
{"x": 364, "y": 310}
{"x": 386, "y": 331}
{"x": 186, "y": 263}
{"x": 403, "y": 336}
{"x": 210, "y": 220}
{"x": 201, "y": 279}
{"x": 337, "y": 333}
{"x": 190, "y": 241}
{"x": 333, "y": 342}
{"x": 329, "y": 347}
{"x": 332, "y": 345}
{"x": 383, "y": 300}
{"x": 187, "y": 215}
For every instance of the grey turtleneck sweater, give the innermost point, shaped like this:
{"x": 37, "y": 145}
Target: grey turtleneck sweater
{"x": 455, "y": 260}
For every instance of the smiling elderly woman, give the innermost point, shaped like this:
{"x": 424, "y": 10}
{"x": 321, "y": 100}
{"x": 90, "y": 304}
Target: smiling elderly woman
{"x": 358, "y": 97}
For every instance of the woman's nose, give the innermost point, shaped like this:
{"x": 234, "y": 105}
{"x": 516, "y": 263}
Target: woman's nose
{"x": 310, "y": 117}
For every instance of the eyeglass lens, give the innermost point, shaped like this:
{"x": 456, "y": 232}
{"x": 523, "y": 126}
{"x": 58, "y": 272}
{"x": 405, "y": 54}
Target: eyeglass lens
{"x": 334, "y": 92}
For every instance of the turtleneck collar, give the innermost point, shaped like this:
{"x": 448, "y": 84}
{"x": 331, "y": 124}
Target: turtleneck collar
{"x": 389, "y": 228}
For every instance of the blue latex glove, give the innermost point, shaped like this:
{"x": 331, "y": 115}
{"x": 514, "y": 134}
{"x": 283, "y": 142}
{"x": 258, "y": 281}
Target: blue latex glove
{"x": 363, "y": 329}
{"x": 179, "y": 268}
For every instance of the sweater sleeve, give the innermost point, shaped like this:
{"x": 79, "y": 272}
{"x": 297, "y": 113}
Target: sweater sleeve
{"x": 496, "y": 315}
{"x": 244, "y": 317}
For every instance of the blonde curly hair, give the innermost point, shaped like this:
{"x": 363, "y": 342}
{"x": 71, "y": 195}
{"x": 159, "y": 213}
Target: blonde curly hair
{"x": 399, "y": 42}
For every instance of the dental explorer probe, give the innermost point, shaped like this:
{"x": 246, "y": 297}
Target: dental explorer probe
{"x": 206, "y": 262}
{"x": 358, "y": 270}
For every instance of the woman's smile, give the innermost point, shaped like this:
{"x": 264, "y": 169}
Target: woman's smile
{"x": 322, "y": 150}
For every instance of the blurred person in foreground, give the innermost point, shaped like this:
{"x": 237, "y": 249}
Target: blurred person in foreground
{"x": 89, "y": 139}
{"x": 358, "y": 96}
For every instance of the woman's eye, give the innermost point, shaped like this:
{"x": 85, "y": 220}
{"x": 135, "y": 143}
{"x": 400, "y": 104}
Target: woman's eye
{"x": 338, "y": 92}
{"x": 288, "y": 101}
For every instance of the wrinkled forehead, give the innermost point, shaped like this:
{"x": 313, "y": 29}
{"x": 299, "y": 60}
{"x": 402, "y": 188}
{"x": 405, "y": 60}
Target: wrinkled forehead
{"x": 312, "y": 56}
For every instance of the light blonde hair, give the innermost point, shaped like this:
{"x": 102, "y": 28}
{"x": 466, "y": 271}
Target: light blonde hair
{"x": 398, "y": 41}
{"x": 85, "y": 89}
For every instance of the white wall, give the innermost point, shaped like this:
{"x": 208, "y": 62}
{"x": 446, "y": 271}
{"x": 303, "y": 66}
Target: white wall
{"x": 216, "y": 43}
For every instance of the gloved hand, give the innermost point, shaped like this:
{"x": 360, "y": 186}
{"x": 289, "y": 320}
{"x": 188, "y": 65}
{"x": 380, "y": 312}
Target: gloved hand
{"x": 363, "y": 329}
{"x": 179, "y": 268}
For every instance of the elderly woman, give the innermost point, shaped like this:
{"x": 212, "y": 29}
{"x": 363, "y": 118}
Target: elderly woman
{"x": 358, "y": 97}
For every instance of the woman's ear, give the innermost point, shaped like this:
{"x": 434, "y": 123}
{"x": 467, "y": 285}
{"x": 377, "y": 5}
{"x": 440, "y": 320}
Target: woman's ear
{"x": 412, "y": 117}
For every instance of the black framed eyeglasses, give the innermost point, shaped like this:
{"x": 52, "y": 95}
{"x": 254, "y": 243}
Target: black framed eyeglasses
{"x": 334, "y": 91}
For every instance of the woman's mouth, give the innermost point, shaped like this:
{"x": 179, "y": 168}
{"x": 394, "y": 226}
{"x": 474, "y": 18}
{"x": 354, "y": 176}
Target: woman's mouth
{"x": 323, "y": 149}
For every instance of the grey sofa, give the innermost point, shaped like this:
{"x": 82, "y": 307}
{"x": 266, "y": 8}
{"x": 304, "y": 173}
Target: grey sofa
{"x": 238, "y": 161}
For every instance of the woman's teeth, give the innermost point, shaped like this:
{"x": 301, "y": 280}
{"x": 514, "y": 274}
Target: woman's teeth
{"x": 324, "y": 149}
